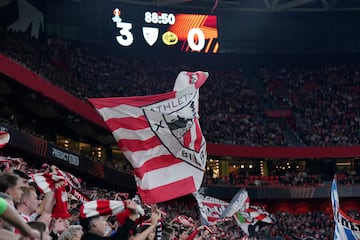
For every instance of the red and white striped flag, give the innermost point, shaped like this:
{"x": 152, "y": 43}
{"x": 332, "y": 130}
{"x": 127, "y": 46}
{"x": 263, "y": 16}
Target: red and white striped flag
{"x": 161, "y": 137}
{"x": 210, "y": 208}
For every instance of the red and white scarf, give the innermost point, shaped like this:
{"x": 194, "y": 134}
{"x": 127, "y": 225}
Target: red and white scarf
{"x": 101, "y": 207}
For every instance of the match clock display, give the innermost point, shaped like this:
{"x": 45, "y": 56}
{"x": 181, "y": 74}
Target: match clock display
{"x": 191, "y": 33}
{"x": 159, "y": 18}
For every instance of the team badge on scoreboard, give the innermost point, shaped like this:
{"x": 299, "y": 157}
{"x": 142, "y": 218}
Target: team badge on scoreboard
{"x": 169, "y": 38}
{"x": 150, "y": 35}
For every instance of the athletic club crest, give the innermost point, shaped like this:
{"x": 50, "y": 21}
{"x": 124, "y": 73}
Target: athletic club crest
{"x": 150, "y": 35}
{"x": 175, "y": 122}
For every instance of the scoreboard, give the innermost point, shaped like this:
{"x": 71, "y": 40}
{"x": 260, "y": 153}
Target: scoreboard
{"x": 144, "y": 29}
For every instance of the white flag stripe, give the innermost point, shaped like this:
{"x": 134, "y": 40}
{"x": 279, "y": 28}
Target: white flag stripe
{"x": 169, "y": 175}
{"x": 90, "y": 206}
{"x": 116, "y": 206}
{"x": 121, "y": 111}
{"x": 141, "y": 135}
{"x": 41, "y": 182}
{"x": 113, "y": 205}
{"x": 137, "y": 159}
{"x": 193, "y": 137}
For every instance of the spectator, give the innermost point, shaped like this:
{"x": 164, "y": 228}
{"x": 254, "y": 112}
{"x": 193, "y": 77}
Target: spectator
{"x": 73, "y": 232}
{"x": 57, "y": 226}
{"x": 183, "y": 233}
{"x": 24, "y": 177}
{"x": 28, "y": 204}
{"x": 42, "y": 228}
{"x": 31, "y": 209}
{"x": 148, "y": 232}
{"x": 10, "y": 184}
{"x": 74, "y": 219}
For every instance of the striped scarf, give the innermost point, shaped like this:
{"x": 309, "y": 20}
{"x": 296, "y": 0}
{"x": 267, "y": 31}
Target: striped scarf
{"x": 101, "y": 207}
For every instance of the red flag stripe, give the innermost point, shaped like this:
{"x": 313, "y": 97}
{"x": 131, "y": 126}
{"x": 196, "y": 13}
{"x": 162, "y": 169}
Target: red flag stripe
{"x": 167, "y": 192}
{"x": 212, "y": 220}
{"x": 140, "y": 134}
{"x": 170, "y": 174}
{"x": 161, "y": 162}
{"x": 139, "y": 145}
{"x": 137, "y": 159}
{"x": 133, "y": 123}
{"x": 101, "y": 205}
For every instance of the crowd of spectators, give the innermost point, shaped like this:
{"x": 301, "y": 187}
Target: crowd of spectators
{"x": 230, "y": 110}
{"x": 292, "y": 179}
{"x": 179, "y": 216}
{"x": 324, "y": 101}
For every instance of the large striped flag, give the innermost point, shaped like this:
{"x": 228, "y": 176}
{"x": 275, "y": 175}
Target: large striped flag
{"x": 161, "y": 137}
{"x": 346, "y": 228}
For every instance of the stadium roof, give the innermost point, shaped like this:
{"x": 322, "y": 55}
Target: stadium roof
{"x": 256, "y": 5}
